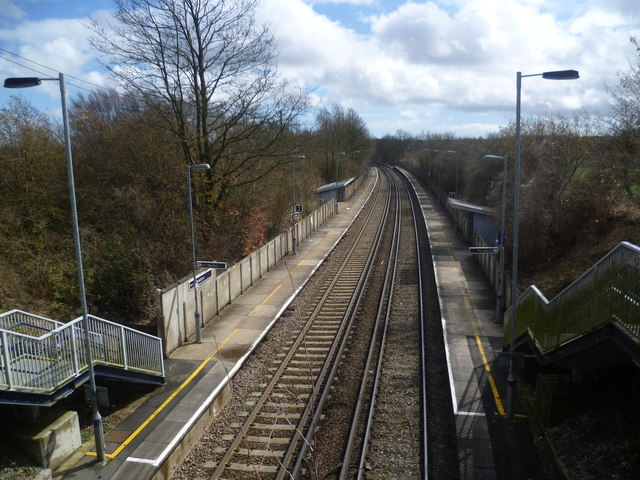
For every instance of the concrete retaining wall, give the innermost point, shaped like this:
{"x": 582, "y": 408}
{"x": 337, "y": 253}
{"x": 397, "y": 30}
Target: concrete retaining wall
{"x": 49, "y": 445}
{"x": 176, "y": 304}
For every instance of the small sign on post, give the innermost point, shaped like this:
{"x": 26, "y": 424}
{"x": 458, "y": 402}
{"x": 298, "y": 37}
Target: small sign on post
{"x": 219, "y": 265}
{"x": 478, "y": 250}
{"x": 298, "y": 208}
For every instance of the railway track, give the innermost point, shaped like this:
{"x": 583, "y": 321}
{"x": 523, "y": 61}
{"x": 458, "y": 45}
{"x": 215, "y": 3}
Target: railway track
{"x": 388, "y": 434}
{"x": 275, "y": 436}
{"x": 312, "y": 380}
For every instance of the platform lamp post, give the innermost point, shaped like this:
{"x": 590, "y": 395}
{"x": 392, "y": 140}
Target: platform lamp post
{"x": 511, "y": 380}
{"x": 501, "y": 236}
{"x": 353, "y": 157}
{"x": 293, "y": 201}
{"x": 337, "y": 154}
{"x": 431, "y": 150}
{"x": 457, "y": 160}
{"x": 198, "y": 166}
{"x": 25, "y": 82}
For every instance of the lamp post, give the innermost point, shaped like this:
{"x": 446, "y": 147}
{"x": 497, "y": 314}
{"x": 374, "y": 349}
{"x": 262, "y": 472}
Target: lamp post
{"x": 336, "y": 157}
{"x": 501, "y": 235}
{"x": 293, "y": 202}
{"x": 24, "y": 82}
{"x": 555, "y": 75}
{"x": 430, "y": 152}
{"x": 199, "y": 166}
{"x": 457, "y": 159}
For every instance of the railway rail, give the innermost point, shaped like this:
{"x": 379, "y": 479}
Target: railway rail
{"x": 388, "y": 435}
{"x": 275, "y": 435}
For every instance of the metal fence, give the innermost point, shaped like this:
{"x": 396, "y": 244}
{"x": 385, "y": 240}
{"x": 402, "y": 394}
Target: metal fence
{"x": 608, "y": 291}
{"x": 38, "y": 362}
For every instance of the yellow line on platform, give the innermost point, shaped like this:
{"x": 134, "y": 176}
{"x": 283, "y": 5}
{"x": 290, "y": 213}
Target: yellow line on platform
{"x": 167, "y": 401}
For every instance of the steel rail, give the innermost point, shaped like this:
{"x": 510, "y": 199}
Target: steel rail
{"x": 366, "y": 436}
{"x": 382, "y": 320}
{"x": 299, "y": 342}
{"x": 423, "y": 337}
{"x": 319, "y": 409}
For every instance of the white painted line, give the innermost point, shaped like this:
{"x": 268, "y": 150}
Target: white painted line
{"x": 140, "y": 460}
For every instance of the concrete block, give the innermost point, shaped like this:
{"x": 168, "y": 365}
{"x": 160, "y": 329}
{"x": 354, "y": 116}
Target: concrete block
{"x": 50, "y": 444}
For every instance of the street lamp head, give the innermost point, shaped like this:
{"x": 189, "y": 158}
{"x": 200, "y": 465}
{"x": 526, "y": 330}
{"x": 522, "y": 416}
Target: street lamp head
{"x": 300, "y": 156}
{"x": 22, "y": 82}
{"x": 199, "y": 166}
{"x": 495, "y": 157}
{"x": 561, "y": 75}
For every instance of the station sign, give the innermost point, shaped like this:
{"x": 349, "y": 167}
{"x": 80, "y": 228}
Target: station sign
{"x": 219, "y": 265}
{"x": 479, "y": 250}
{"x": 203, "y": 277}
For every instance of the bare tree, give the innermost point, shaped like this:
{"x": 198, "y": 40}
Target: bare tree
{"x": 210, "y": 70}
{"x": 338, "y": 130}
{"x": 624, "y": 166}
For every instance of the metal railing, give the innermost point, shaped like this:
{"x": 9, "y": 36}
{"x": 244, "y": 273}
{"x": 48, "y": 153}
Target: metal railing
{"x": 608, "y": 291}
{"x": 37, "y": 362}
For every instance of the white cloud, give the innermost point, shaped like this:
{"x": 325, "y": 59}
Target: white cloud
{"x": 60, "y": 44}
{"x": 461, "y": 55}
{"x": 10, "y": 12}
{"x": 417, "y": 61}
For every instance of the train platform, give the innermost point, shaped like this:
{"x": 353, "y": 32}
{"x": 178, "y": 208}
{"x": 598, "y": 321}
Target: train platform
{"x": 147, "y": 445}
{"x": 489, "y": 446}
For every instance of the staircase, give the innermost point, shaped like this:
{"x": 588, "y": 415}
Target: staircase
{"x": 43, "y": 360}
{"x": 605, "y": 299}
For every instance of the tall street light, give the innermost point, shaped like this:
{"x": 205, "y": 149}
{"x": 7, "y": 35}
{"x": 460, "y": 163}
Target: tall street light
{"x": 501, "y": 236}
{"x": 336, "y": 157}
{"x": 199, "y": 166}
{"x": 293, "y": 202}
{"x": 431, "y": 150}
{"x": 24, "y": 82}
{"x": 457, "y": 160}
{"x": 555, "y": 75}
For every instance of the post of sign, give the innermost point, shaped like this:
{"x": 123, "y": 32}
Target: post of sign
{"x": 293, "y": 202}
{"x": 501, "y": 237}
{"x": 199, "y": 166}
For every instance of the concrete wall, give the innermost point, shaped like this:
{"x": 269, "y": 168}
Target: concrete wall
{"x": 49, "y": 445}
{"x": 176, "y": 316}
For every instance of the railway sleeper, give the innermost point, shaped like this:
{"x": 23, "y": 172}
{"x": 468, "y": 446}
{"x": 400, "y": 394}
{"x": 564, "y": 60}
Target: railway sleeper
{"x": 241, "y": 467}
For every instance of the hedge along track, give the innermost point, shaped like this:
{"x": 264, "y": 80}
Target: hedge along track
{"x": 273, "y": 440}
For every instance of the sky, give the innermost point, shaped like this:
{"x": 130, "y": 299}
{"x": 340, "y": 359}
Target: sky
{"x": 441, "y": 66}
